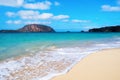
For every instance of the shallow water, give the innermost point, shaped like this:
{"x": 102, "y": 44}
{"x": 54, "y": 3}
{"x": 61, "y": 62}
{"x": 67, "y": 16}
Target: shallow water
{"x": 40, "y": 56}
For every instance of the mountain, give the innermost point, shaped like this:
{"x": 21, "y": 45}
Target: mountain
{"x": 36, "y": 28}
{"x": 106, "y": 29}
{"x": 32, "y": 28}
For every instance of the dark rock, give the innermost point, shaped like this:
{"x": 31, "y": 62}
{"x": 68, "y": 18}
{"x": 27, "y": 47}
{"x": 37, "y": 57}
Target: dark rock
{"x": 82, "y": 31}
{"x": 36, "y": 28}
{"x": 106, "y": 29}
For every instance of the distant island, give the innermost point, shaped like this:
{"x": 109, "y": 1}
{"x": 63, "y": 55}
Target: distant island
{"x": 44, "y": 28}
{"x": 31, "y": 28}
{"x": 106, "y": 29}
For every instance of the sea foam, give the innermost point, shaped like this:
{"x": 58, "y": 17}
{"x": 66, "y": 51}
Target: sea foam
{"x": 52, "y": 61}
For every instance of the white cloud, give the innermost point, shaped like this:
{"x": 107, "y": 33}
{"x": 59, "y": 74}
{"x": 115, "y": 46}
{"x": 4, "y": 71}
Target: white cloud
{"x": 79, "y": 21}
{"x": 45, "y": 16}
{"x": 10, "y": 14}
{"x": 45, "y": 5}
{"x": 56, "y": 3}
{"x": 13, "y": 22}
{"x": 58, "y": 17}
{"x": 12, "y": 3}
{"x": 110, "y": 8}
{"x": 28, "y": 14}
{"x": 36, "y": 15}
{"x": 20, "y": 2}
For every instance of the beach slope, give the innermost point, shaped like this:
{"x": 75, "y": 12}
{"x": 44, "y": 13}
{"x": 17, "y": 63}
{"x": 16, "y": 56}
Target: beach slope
{"x": 102, "y": 65}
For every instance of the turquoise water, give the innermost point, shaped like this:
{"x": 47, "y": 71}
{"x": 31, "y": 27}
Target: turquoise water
{"x": 14, "y": 44}
{"x": 51, "y": 50}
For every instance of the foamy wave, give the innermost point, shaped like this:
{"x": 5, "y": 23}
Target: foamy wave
{"x": 49, "y": 62}
{"x": 37, "y": 65}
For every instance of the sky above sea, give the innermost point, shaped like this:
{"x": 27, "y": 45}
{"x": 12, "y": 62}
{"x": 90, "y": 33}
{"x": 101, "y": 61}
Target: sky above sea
{"x": 61, "y": 15}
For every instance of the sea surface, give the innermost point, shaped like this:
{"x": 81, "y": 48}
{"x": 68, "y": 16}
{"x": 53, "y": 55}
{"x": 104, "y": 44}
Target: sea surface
{"x": 40, "y": 56}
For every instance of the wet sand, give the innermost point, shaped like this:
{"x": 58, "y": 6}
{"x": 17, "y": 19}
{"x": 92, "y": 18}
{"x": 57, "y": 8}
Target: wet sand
{"x": 102, "y": 65}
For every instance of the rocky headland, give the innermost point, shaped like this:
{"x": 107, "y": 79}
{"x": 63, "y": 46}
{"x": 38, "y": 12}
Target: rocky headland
{"x": 106, "y": 29}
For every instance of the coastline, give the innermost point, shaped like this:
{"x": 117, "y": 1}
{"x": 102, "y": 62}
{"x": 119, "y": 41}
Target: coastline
{"x": 101, "y": 65}
{"x": 42, "y": 58}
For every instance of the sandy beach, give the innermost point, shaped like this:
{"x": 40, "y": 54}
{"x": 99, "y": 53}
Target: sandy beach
{"x": 102, "y": 65}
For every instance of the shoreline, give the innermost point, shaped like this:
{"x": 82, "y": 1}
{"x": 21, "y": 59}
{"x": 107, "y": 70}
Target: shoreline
{"x": 100, "y": 65}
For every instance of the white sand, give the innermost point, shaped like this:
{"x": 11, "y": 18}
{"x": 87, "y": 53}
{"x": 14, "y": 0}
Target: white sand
{"x": 102, "y": 65}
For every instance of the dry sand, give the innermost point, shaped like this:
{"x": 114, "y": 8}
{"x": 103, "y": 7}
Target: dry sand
{"x": 102, "y": 65}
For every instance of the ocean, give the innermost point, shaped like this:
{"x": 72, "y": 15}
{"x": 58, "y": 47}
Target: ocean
{"x": 40, "y": 56}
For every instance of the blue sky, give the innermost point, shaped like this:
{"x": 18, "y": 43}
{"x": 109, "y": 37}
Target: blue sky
{"x": 62, "y": 15}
